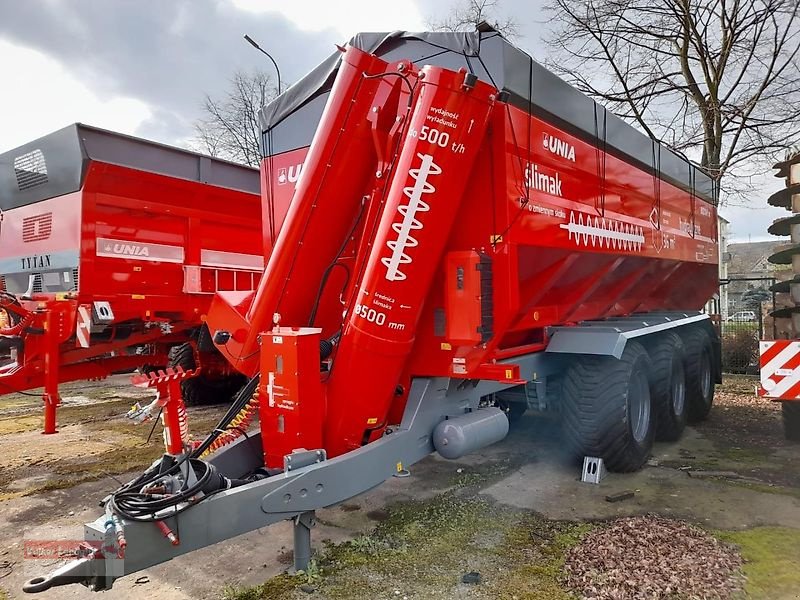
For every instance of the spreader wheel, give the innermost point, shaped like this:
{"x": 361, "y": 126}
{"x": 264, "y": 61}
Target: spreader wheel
{"x": 699, "y": 373}
{"x": 606, "y": 408}
{"x": 791, "y": 420}
{"x": 668, "y": 385}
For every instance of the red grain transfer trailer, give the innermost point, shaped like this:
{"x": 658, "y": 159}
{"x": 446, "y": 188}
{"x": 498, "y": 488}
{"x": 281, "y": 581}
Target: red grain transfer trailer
{"x": 469, "y": 237}
{"x": 111, "y": 248}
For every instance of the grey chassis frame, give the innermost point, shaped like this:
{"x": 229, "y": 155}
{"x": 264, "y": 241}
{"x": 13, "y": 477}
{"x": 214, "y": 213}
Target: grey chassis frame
{"x": 310, "y": 482}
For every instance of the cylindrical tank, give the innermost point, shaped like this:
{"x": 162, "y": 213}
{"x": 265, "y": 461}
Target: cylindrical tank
{"x": 453, "y": 438}
{"x": 446, "y": 131}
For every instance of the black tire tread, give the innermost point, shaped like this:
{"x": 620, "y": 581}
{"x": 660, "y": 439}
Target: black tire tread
{"x": 696, "y": 340}
{"x": 791, "y": 420}
{"x": 182, "y": 356}
{"x": 663, "y": 350}
{"x": 594, "y": 421}
{"x": 199, "y": 391}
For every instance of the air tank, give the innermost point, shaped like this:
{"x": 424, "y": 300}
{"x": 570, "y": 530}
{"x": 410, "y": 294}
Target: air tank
{"x": 453, "y": 438}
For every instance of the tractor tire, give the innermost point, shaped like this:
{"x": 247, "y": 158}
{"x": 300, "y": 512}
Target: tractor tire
{"x": 606, "y": 409}
{"x": 791, "y": 420}
{"x": 199, "y": 391}
{"x": 147, "y": 369}
{"x": 699, "y": 373}
{"x": 668, "y": 385}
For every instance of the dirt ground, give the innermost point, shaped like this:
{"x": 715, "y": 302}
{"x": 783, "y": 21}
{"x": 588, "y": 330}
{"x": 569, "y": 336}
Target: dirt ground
{"x": 509, "y": 513}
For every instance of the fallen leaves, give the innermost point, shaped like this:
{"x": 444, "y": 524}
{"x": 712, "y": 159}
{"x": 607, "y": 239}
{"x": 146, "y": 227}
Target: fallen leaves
{"x": 650, "y": 557}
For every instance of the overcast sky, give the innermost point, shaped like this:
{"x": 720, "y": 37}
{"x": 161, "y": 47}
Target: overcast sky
{"x": 143, "y": 66}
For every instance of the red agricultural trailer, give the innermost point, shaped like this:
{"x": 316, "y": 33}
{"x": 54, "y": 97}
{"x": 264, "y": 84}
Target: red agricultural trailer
{"x": 470, "y": 237}
{"x": 111, "y": 248}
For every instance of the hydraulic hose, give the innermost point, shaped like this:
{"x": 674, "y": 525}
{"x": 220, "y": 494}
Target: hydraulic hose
{"x": 133, "y": 503}
{"x": 12, "y": 307}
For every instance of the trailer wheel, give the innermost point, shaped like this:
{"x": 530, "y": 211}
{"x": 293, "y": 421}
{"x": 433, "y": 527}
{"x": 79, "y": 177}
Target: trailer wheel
{"x": 791, "y": 420}
{"x": 607, "y": 410}
{"x": 668, "y": 385}
{"x": 699, "y": 373}
{"x": 201, "y": 390}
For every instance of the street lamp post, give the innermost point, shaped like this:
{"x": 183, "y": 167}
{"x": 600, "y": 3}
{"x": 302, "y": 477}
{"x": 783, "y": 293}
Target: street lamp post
{"x": 252, "y": 42}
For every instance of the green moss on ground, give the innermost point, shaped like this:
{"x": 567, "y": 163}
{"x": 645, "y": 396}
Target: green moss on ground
{"x": 422, "y": 549}
{"x": 538, "y": 548}
{"x": 771, "y": 557}
{"x": 276, "y": 588}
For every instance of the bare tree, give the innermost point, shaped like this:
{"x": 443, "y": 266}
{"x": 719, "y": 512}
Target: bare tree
{"x": 230, "y": 128}
{"x": 714, "y": 78}
{"x": 468, "y": 14}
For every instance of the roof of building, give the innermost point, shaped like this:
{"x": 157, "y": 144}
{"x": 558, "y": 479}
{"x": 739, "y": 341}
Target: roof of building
{"x": 750, "y": 257}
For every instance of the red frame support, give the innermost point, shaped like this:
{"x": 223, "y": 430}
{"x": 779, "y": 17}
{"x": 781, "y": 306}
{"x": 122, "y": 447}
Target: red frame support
{"x": 170, "y": 399}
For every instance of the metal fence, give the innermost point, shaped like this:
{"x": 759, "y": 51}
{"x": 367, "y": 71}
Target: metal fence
{"x": 744, "y": 321}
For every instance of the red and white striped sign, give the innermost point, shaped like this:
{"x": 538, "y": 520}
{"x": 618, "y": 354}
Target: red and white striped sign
{"x": 780, "y": 369}
{"x": 83, "y": 328}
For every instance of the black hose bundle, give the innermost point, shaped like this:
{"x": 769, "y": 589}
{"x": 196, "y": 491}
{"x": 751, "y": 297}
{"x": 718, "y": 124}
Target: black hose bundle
{"x": 130, "y": 502}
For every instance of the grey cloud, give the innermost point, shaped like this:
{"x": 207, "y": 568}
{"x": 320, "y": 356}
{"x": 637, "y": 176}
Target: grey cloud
{"x": 167, "y": 54}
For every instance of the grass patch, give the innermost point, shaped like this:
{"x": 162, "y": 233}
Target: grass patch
{"x": 538, "y": 549}
{"x": 96, "y": 411}
{"x": 132, "y": 452}
{"x": 752, "y": 455}
{"x": 276, "y": 588}
{"x": 771, "y": 557}
{"x": 67, "y": 415}
{"x": 20, "y": 424}
{"x": 422, "y": 549}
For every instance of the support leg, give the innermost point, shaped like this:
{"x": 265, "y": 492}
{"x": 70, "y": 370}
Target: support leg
{"x": 51, "y": 362}
{"x": 302, "y": 539}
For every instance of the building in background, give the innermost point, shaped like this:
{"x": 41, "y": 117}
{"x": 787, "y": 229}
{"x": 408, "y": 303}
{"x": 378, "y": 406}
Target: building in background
{"x": 748, "y": 270}
{"x": 718, "y": 305}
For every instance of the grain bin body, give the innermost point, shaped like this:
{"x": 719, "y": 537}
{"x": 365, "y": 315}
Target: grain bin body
{"x": 575, "y": 214}
{"x": 126, "y": 241}
{"x": 566, "y": 215}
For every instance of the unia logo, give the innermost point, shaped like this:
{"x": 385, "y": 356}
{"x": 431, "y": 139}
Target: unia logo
{"x": 127, "y": 249}
{"x": 558, "y": 147}
{"x": 290, "y": 174}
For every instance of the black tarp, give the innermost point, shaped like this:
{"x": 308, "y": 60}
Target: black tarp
{"x": 56, "y": 164}
{"x": 289, "y": 122}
